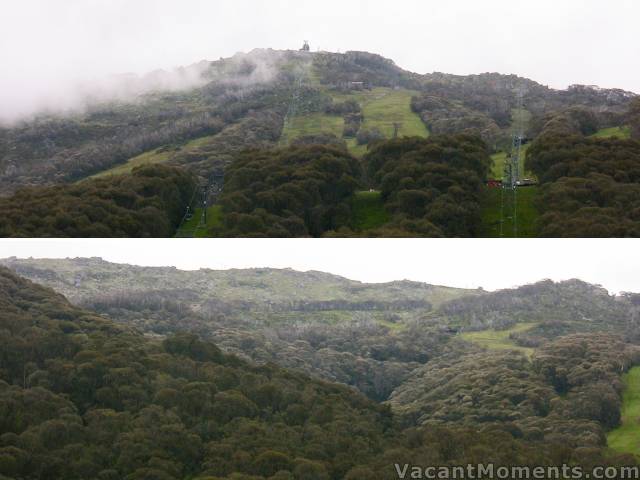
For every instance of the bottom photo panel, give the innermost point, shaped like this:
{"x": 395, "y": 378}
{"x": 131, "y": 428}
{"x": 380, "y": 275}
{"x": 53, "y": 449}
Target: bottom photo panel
{"x": 319, "y": 359}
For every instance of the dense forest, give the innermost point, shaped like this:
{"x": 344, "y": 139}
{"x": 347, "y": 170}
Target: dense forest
{"x": 562, "y": 306}
{"x": 327, "y": 326}
{"x": 634, "y": 119}
{"x": 89, "y": 398}
{"x": 443, "y": 116}
{"x": 148, "y": 203}
{"x": 570, "y": 391}
{"x": 431, "y": 186}
{"x": 368, "y": 336}
{"x": 302, "y": 191}
{"x": 591, "y": 186}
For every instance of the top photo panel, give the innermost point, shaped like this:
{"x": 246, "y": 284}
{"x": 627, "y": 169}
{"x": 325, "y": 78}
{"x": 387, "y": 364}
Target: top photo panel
{"x": 274, "y": 119}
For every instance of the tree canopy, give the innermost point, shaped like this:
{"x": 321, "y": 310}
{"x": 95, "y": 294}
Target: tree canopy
{"x": 148, "y": 203}
{"x": 590, "y": 186}
{"x": 431, "y": 186}
{"x": 298, "y": 191}
{"x": 84, "y": 397}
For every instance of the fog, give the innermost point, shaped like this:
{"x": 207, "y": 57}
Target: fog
{"x": 55, "y": 54}
{"x": 464, "y": 263}
{"x": 78, "y": 94}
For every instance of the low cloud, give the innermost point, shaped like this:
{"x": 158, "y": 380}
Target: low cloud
{"x": 241, "y": 71}
{"x": 70, "y": 98}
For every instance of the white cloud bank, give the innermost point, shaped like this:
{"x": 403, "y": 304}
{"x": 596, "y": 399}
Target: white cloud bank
{"x": 49, "y": 48}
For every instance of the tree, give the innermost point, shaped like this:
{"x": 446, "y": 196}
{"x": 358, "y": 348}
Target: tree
{"x": 270, "y": 462}
{"x": 634, "y": 118}
{"x": 309, "y": 470}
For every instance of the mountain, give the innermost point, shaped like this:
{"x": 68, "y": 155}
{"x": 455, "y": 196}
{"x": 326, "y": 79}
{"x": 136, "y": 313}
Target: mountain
{"x": 570, "y": 389}
{"x": 261, "y": 290}
{"x": 557, "y": 309}
{"x": 84, "y": 397}
{"x": 265, "y": 96}
{"x": 369, "y": 336}
{"x": 411, "y": 155}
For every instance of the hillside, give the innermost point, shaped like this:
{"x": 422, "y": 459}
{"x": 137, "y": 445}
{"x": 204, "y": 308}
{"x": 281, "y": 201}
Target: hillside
{"x": 92, "y": 399}
{"x": 148, "y": 203}
{"x": 623, "y": 438}
{"x": 278, "y": 101}
{"x": 261, "y": 290}
{"x": 89, "y": 398}
{"x": 249, "y": 99}
{"x": 589, "y": 177}
{"x": 369, "y": 336}
{"x": 557, "y": 309}
{"x": 570, "y": 389}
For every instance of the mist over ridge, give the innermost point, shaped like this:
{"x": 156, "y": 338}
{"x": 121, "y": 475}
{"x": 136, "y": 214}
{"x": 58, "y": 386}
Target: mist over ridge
{"x": 125, "y": 88}
{"x": 242, "y": 70}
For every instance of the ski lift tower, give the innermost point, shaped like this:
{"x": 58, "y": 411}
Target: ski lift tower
{"x": 516, "y": 147}
{"x": 512, "y": 170}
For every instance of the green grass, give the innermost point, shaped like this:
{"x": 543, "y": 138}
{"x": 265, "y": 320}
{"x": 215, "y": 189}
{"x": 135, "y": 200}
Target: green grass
{"x": 620, "y": 132}
{"x": 159, "y": 155}
{"x": 491, "y": 205}
{"x": 153, "y": 157}
{"x": 499, "y": 160}
{"x": 368, "y": 211}
{"x": 493, "y": 223}
{"x": 192, "y": 228}
{"x": 520, "y": 117}
{"x": 355, "y": 149}
{"x": 626, "y": 438}
{"x": 499, "y": 339}
{"x": 312, "y": 124}
{"x": 394, "y": 327}
{"x": 381, "y": 108}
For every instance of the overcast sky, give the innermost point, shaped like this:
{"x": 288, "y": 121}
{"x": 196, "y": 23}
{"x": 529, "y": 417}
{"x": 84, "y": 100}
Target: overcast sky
{"x": 46, "y": 46}
{"x": 473, "y": 263}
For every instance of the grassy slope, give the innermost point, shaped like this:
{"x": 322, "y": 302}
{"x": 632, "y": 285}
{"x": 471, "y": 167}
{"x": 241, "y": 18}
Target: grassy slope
{"x": 620, "y": 132}
{"x": 626, "y": 438}
{"x": 312, "y": 124}
{"x": 192, "y": 228}
{"x": 499, "y": 339}
{"x": 368, "y": 211}
{"x": 160, "y": 155}
{"x": 521, "y": 119}
{"x": 381, "y": 107}
{"x": 492, "y": 209}
{"x": 492, "y": 203}
{"x": 499, "y": 160}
